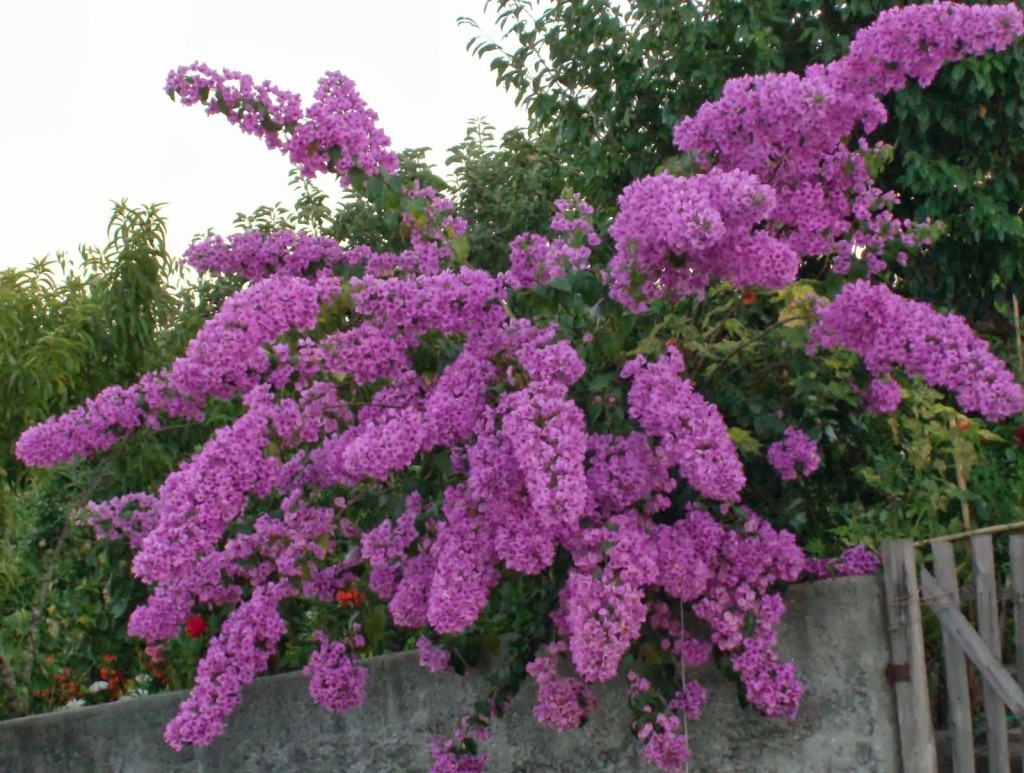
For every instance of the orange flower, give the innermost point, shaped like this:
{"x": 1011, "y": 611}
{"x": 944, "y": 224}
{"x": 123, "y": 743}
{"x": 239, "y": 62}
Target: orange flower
{"x": 748, "y": 297}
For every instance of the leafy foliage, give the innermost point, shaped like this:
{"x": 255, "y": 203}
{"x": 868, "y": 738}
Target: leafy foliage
{"x": 68, "y": 330}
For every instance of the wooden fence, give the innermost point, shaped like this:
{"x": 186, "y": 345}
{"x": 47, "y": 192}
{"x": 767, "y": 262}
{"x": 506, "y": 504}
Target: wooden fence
{"x": 962, "y": 643}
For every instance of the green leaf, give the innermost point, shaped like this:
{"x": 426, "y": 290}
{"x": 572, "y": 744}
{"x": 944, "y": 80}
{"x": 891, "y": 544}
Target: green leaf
{"x": 460, "y": 246}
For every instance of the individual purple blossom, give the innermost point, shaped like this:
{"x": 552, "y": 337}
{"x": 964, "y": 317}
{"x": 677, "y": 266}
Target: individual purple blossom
{"x": 795, "y": 449}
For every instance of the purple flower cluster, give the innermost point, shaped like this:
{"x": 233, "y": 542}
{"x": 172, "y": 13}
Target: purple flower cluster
{"x": 227, "y": 357}
{"x": 740, "y": 607}
{"x": 691, "y": 431}
{"x": 854, "y": 562}
{"x": 603, "y": 617}
{"x": 665, "y": 746}
{"x": 335, "y": 682}
{"x": 536, "y": 260}
{"x": 674, "y": 235}
{"x": 795, "y": 448}
{"x": 791, "y": 132}
{"x": 437, "y": 660}
{"x": 257, "y": 256}
{"x": 336, "y": 133}
{"x": 690, "y": 700}
{"x": 883, "y": 395}
{"x": 130, "y": 517}
{"x": 916, "y": 41}
{"x": 448, "y": 302}
{"x": 234, "y": 657}
{"x": 451, "y": 755}
{"x": 88, "y": 429}
{"x": 562, "y": 702}
{"x": 888, "y": 331}
{"x": 622, "y": 472}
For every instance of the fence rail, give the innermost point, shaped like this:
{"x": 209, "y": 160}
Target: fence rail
{"x": 907, "y": 588}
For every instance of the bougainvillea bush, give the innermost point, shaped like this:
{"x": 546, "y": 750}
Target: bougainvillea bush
{"x": 553, "y": 452}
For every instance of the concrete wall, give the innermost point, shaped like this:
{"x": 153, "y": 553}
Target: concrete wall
{"x": 834, "y": 631}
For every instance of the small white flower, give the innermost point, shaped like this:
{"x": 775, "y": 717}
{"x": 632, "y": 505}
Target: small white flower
{"x": 96, "y": 687}
{"x": 74, "y": 703}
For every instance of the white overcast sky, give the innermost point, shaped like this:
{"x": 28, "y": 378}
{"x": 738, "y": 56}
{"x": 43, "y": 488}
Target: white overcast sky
{"x": 85, "y": 119}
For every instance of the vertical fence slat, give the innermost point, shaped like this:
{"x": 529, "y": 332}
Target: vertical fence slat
{"x": 988, "y": 626}
{"x": 906, "y": 640}
{"x": 1017, "y": 584}
{"x": 957, "y": 688}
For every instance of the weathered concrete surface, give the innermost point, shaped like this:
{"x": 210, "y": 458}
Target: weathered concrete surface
{"x": 834, "y": 631}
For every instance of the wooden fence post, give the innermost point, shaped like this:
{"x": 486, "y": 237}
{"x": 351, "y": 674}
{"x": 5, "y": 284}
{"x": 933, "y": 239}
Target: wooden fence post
{"x": 957, "y": 688}
{"x": 988, "y": 626}
{"x": 1017, "y": 585}
{"x": 907, "y": 670}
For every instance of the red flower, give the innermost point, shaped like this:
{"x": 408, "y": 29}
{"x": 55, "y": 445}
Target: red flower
{"x": 195, "y": 626}
{"x": 748, "y": 297}
{"x": 1019, "y": 435}
{"x": 349, "y": 598}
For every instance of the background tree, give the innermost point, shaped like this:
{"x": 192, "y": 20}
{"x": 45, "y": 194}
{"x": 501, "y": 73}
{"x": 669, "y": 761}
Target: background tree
{"x": 68, "y": 329}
